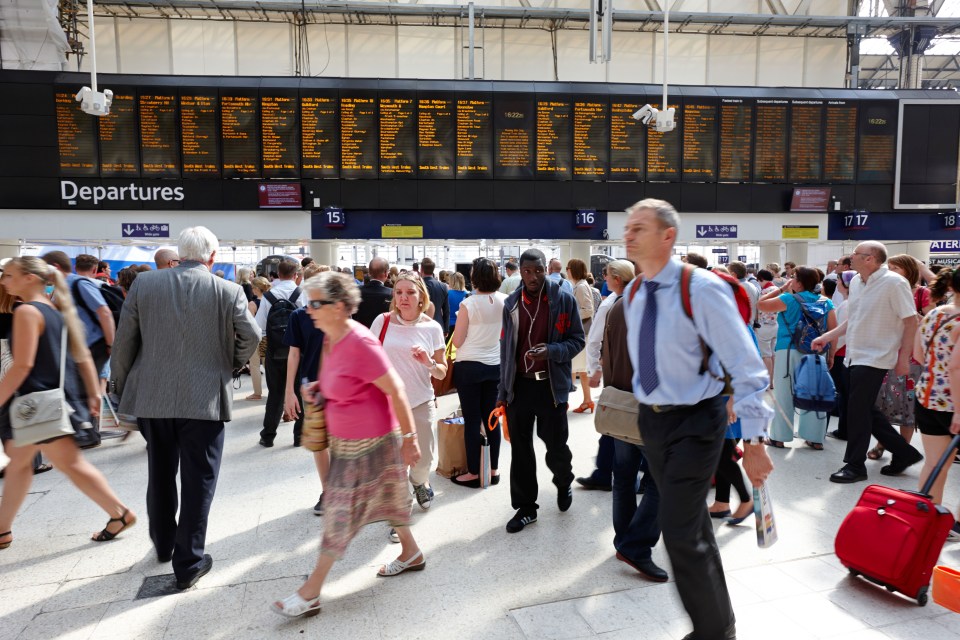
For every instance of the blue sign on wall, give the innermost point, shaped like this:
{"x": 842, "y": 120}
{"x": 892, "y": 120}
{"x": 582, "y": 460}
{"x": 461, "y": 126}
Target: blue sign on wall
{"x": 892, "y": 226}
{"x": 716, "y": 231}
{"x": 145, "y": 230}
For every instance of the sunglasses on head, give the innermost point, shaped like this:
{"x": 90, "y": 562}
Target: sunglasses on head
{"x": 317, "y": 304}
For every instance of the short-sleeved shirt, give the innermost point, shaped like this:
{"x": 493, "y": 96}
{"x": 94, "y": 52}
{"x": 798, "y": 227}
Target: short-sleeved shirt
{"x": 304, "y": 336}
{"x": 355, "y": 407}
{"x": 397, "y": 344}
{"x": 787, "y": 320}
{"x": 876, "y": 311}
{"x": 90, "y": 292}
{"x": 485, "y": 313}
{"x": 933, "y": 387}
{"x": 456, "y": 298}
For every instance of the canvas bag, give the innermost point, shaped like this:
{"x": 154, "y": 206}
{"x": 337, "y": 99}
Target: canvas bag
{"x": 451, "y": 449}
{"x": 617, "y": 415}
{"x": 43, "y": 415}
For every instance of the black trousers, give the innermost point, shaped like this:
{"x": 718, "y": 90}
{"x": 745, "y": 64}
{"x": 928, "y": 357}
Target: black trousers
{"x": 276, "y": 370}
{"x": 682, "y": 449}
{"x": 864, "y": 420}
{"x": 196, "y": 447}
{"x": 477, "y": 388}
{"x": 533, "y": 403}
{"x": 841, "y": 380}
{"x": 729, "y": 474}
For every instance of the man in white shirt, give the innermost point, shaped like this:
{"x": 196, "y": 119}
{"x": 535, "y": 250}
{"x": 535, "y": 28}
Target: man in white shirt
{"x": 880, "y": 326}
{"x": 512, "y": 281}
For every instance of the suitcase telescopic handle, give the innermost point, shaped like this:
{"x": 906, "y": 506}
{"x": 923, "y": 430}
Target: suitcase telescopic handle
{"x": 944, "y": 459}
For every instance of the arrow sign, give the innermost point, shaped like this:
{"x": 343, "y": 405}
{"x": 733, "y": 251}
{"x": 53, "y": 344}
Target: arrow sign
{"x": 716, "y": 231}
{"x": 145, "y": 230}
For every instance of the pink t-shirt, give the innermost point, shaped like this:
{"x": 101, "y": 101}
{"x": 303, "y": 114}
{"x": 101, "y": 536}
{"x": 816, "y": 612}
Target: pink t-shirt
{"x": 355, "y": 407}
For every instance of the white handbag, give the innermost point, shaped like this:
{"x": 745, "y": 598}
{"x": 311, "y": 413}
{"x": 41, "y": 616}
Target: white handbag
{"x": 43, "y": 415}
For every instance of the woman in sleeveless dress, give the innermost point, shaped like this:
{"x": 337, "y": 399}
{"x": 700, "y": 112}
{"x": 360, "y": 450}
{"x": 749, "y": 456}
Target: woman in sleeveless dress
{"x": 36, "y": 344}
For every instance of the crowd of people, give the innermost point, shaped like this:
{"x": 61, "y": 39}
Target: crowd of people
{"x": 708, "y": 360}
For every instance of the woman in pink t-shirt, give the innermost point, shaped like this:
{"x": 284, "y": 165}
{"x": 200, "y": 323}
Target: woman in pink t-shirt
{"x": 364, "y": 401}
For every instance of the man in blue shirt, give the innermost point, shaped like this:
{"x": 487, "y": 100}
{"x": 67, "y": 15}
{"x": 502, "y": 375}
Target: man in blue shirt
{"x": 682, "y": 415}
{"x": 556, "y": 274}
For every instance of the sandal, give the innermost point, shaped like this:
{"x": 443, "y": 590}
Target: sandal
{"x": 816, "y": 446}
{"x": 876, "y": 453}
{"x": 293, "y": 606}
{"x": 398, "y": 566}
{"x": 254, "y": 396}
{"x": 4, "y": 545}
{"x": 43, "y": 468}
{"x": 106, "y": 535}
{"x": 776, "y": 444}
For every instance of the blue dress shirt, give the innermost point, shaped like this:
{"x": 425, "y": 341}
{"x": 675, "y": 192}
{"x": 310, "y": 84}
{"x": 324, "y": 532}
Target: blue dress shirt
{"x": 678, "y": 354}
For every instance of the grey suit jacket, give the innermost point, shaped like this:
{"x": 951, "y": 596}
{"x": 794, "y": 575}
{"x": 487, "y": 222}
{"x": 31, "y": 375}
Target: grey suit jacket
{"x": 181, "y": 334}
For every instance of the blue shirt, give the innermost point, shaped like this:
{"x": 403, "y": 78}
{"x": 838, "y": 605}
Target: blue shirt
{"x": 564, "y": 284}
{"x": 678, "y": 355}
{"x": 787, "y": 320}
{"x": 90, "y": 292}
{"x": 304, "y": 336}
{"x": 455, "y": 297}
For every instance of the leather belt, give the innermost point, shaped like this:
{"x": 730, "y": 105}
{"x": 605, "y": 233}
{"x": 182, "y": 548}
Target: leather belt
{"x": 539, "y": 376}
{"x": 667, "y": 408}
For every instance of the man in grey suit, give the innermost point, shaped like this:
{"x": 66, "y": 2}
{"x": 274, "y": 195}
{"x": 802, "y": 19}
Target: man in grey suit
{"x": 183, "y": 332}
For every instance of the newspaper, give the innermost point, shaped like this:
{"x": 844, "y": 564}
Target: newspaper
{"x": 763, "y": 510}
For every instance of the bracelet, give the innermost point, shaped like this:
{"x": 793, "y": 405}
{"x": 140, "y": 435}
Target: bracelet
{"x": 407, "y": 436}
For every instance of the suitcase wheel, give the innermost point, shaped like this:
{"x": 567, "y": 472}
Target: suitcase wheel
{"x": 853, "y": 572}
{"x": 890, "y": 589}
{"x": 922, "y": 596}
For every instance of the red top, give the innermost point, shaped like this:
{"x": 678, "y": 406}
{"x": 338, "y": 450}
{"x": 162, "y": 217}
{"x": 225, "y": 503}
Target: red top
{"x": 533, "y": 328}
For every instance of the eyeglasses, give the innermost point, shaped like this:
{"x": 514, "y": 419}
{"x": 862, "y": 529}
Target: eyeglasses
{"x": 174, "y": 262}
{"x": 318, "y": 304}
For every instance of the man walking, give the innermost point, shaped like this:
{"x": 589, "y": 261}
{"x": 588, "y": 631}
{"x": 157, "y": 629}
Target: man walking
{"x": 541, "y": 335}
{"x": 682, "y": 414}
{"x": 512, "y": 281}
{"x": 880, "y": 327}
{"x": 375, "y": 296}
{"x": 183, "y": 332}
{"x": 438, "y": 294}
{"x": 556, "y": 274}
{"x": 166, "y": 259}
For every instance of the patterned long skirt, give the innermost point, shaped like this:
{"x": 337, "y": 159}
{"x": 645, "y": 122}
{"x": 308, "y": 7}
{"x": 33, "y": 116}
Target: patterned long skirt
{"x": 367, "y": 483}
{"x": 897, "y": 395}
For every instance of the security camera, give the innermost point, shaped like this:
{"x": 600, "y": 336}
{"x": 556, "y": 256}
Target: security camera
{"x": 96, "y": 103}
{"x": 645, "y": 115}
{"x": 664, "y": 121}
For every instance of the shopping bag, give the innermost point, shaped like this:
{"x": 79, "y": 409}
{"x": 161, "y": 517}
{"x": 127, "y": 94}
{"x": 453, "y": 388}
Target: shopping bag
{"x": 451, "y": 450}
{"x": 946, "y": 587}
{"x": 498, "y": 417}
{"x": 484, "y": 459}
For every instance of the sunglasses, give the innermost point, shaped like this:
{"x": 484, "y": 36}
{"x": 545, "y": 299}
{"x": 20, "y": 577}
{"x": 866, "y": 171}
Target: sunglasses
{"x": 318, "y": 304}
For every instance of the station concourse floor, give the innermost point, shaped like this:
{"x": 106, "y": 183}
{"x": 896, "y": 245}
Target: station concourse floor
{"x": 557, "y": 579}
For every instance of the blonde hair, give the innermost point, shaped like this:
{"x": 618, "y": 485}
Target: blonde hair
{"x": 418, "y": 284}
{"x": 62, "y": 300}
{"x": 261, "y": 284}
{"x": 457, "y": 281}
{"x": 311, "y": 270}
{"x": 6, "y": 301}
{"x": 243, "y": 275}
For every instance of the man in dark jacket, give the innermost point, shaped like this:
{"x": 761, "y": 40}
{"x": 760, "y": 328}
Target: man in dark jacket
{"x": 375, "y": 296}
{"x": 438, "y": 294}
{"x": 542, "y": 333}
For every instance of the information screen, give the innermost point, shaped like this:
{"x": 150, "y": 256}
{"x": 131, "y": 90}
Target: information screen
{"x": 240, "y": 129}
{"x": 119, "y": 151}
{"x": 398, "y": 136}
{"x": 514, "y": 125}
{"x": 699, "y": 141}
{"x": 76, "y": 137}
{"x": 358, "y": 137}
{"x": 627, "y": 137}
{"x": 664, "y": 150}
{"x": 736, "y": 139}
{"x": 770, "y": 148}
{"x": 878, "y": 142}
{"x": 554, "y": 151}
{"x": 280, "y": 135}
{"x": 591, "y": 140}
{"x": 320, "y": 135}
{"x": 200, "y": 142}
{"x": 840, "y": 142}
{"x": 806, "y": 141}
{"x": 159, "y": 142}
{"x": 436, "y": 136}
{"x": 474, "y": 137}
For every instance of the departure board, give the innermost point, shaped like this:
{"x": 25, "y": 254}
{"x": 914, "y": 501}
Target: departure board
{"x": 554, "y": 153}
{"x": 159, "y": 142}
{"x": 358, "y": 137}
{"x": 280, "y": 135}
{"x": 240, "y": 128}
{"x": 591, "y": 140}
{"x": 514, "y": 127}
{"x": 199, "y": 141}
{"x": 436, "y": 137}
{"x": 736, "y": 139}
{"x": 398, "y": 136}
{"x": 840, "y": 142}
{"x": 119, "y": 151}
{"x": 664, "y": 150}
{"x": 76, "y": 137}
{"x": 770, "y": 146}
{"x": 474, "y": 136}
{"x": 320, "y": 135}
{"x": 699, "y": 141}
{"x": 878, "y": 142}
{"x": 806, "y": 141}
{"x": 627, "y": 137}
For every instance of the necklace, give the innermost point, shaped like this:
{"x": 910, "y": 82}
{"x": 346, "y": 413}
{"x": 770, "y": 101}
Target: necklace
{"x": 407, "y": 323}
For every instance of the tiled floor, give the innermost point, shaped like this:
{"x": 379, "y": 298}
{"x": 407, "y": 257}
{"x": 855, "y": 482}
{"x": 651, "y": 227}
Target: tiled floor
{"x": 556, "y": 579}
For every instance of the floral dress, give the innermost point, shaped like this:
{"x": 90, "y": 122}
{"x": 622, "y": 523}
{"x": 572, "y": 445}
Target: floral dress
{"x": 933, "y": 387}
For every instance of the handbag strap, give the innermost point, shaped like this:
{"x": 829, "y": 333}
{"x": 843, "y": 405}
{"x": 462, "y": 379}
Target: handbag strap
{"x": 63, "y": 351}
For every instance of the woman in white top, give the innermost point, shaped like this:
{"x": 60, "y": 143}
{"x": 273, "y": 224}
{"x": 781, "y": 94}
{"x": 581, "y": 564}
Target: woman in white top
{"x": 577, "y": 272}
{"x": 477, "y": 374}
{"x": 414, "y": 344}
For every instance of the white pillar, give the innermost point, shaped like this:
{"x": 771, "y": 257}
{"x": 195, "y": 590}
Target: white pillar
{"x": 324, "y": 252}
{"x": 733, "y": 250}
{"x": 797, "y": 253}
{"x": 770, "y": 252}
{"x": 9, "y": 248}
{"x": 579, "y": 249}
{"x": 919, "y": 250}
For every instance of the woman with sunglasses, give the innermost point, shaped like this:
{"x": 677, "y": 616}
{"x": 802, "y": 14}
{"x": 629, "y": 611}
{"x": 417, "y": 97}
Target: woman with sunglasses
{"x": 36, "y": 345}
{"x": 364, "y": 401}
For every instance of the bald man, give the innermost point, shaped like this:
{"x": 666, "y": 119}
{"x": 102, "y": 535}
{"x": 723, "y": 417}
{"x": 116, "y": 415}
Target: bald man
{"x": 166, "y": 258}
{"x": 375, "y": 295}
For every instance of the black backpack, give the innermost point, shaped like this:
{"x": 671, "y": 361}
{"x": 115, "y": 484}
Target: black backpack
{"x": 277, "y": 320}
{"x": 112, "y": 295}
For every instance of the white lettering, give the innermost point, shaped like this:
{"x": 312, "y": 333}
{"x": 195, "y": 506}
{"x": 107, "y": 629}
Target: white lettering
{"x": 68, "y": 190}
{"x": 166, "y": 193}
{"x": 179, "y": 193}
{"x": 113, "y": 194}
{"x": 85, "y": 193}
{"x": 71, "y": 192}
{"x": 99, "y": 193}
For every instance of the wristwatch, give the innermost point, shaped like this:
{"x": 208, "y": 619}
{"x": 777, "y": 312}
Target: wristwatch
{"x": 754, "y": 440}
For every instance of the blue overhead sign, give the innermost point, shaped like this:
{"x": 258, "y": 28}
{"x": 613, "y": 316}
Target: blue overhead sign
{"x": 141, "y": 230}
{"x": 716, "y": 231}
{"x": 945, "y": 246}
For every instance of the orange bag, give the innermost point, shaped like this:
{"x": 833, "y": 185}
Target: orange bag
{"x": 499, "y": 416}
{"x": 946, "y": 587}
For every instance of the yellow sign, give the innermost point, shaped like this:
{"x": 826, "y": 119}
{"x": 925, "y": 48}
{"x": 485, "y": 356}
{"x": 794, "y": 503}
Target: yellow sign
{"x": 400, "y": 231}
{"x": 800, "y": 232}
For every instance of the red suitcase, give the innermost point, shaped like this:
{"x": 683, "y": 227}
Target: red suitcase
{"x": 894, "y": 537}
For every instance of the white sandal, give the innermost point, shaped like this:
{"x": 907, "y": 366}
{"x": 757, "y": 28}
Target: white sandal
{"x": 293, "y": 606}
{"x": 398, "y": 566}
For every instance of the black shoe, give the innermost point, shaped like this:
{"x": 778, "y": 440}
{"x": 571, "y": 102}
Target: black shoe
{"x": 847, "y": 476}
{"x": 164, "y": 558}
{"x": 266, "y": 443}
{"x": 646, "y": 567}
{"x": 470, "y": 484}
{"x": 837, "y": 435}
{"x": 590, "y": 484}
{"x": 205, "y": 565}
{"x": 895, "y": 468}
{"x": 520, "y": 520}
{"x": 565, "y": 498}
{"x": 296, "y": 442}
{"x": 318, "y": 508}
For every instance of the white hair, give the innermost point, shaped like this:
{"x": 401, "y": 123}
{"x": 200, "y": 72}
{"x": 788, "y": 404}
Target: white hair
{"x": 197, "y": 243}
{"x": 664, "y": 211}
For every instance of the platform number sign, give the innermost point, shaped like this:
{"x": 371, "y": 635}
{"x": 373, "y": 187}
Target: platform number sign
{"x": 856, "y": 220}
{"x": 950, "y": 220}
{"x": 335, "y": 218}
{"x": 723, "y": 259}
{"x": 585, "y": 218}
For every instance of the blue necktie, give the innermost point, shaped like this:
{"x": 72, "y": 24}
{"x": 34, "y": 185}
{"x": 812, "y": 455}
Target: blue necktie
{"x": 647, "y": 364}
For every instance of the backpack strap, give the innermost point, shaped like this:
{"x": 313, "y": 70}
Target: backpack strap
{"x": 79, "y": 300}
{"x": 386, "y": 323}
{"x": 686, "y": 277}
{"x": 634, "y": 286}
{"x": 272, "y": 299}
{"x": 293, "y": 296}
